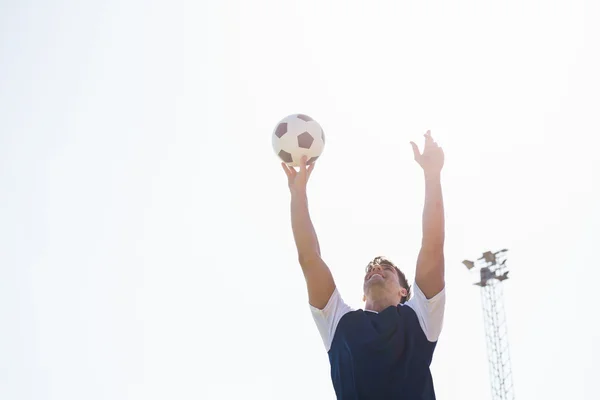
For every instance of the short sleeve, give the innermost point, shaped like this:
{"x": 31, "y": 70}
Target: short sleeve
{"x": 328, "y": 318}
{"x": 429, "y": 311}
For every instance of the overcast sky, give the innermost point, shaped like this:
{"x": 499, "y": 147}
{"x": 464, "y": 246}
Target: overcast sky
{"x": 145, "y": 240}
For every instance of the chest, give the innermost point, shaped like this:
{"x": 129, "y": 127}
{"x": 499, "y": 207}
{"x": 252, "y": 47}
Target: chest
{"x": 394, "y": 331}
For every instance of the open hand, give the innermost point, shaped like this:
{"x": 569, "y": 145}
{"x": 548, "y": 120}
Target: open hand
{"x": 432, "y": 158}
{"x": 297, "y": 179}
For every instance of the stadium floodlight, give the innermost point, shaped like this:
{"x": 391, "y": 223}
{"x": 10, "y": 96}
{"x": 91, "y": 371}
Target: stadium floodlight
{"x": 486, "y": 274}
{"x": 492, "y": 273}
{"x": 503, "y": 277}
{"x": 489, "y": 257}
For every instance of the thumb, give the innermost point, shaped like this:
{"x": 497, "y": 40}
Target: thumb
{"x": 416, "y": 151}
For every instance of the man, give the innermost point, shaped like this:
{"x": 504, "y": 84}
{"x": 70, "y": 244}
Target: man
{"x": 385, "y": 350}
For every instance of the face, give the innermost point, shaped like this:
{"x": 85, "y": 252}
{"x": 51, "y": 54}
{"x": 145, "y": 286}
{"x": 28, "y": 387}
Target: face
{"x": 382, "y": 278}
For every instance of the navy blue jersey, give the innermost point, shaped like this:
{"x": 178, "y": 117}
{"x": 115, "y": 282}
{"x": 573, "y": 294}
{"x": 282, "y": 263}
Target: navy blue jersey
{"x": 384, "y": 355}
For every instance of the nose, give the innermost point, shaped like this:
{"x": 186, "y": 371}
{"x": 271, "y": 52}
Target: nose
{"x": 377, "y": 268}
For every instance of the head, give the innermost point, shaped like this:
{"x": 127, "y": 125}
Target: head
{"x": 384, "y": 279}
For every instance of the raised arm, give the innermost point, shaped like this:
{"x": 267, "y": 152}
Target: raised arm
{"x": 319, "y": 280}
{"x": 430, "y": 263}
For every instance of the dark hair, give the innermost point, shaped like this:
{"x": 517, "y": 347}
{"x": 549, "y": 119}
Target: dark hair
{"x": 380, "y": 260}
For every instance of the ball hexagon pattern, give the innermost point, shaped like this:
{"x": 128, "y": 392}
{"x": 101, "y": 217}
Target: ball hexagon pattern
{"x": 295, "y": 136}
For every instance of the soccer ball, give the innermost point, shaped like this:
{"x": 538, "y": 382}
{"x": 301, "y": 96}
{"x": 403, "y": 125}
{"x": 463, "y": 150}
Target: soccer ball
{"x": 298, "y": 135}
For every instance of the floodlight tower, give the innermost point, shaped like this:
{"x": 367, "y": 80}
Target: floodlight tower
{"x": 492, "y": 272}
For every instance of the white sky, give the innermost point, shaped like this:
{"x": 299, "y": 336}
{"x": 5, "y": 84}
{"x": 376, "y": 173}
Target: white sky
{"x": 145, "y": 244}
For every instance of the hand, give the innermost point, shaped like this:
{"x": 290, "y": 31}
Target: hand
{"x": 297, "y": 179}
{"x": 432, "y": 159}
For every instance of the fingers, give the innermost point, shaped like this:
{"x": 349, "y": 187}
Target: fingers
{"x": 289, "y": 171}
{"x": 303, "y": 169}
{"x": 311, "y": 167}
{"x": 428, "y": 139}
{"x": 286, "y": 169}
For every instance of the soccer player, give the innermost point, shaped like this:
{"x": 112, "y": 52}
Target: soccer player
{"x": 383, "y": 351}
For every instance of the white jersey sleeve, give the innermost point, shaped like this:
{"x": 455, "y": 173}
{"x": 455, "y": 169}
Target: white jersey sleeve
{"x": 328, "y": 318}
{"x": 429, "y": 311}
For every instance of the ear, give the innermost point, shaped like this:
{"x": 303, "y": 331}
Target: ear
{"x": 403, "y": 292}
{"x": 364, "y": 298}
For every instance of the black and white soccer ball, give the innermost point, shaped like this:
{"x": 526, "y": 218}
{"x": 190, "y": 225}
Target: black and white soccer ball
{"x": 297, "y": 135}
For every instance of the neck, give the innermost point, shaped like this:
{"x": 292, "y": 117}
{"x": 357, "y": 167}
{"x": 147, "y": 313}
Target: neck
{"x": 380, "y": 303}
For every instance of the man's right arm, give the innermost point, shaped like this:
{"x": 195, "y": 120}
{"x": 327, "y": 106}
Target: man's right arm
{"x": 319, "y": 280}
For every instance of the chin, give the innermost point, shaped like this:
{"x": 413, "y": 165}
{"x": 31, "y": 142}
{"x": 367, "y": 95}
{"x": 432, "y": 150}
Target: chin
{"x": 373, "y": 286}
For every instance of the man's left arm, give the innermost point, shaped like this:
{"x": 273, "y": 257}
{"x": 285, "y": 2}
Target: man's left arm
{"x": 430, "y": 263}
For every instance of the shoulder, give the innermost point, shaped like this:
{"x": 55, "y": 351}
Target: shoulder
{"x": 328, "y": 318}
{"x": 430, "y": 312}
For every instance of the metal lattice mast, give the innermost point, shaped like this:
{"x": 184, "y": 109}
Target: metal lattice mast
{"x": 493, "y": 271}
